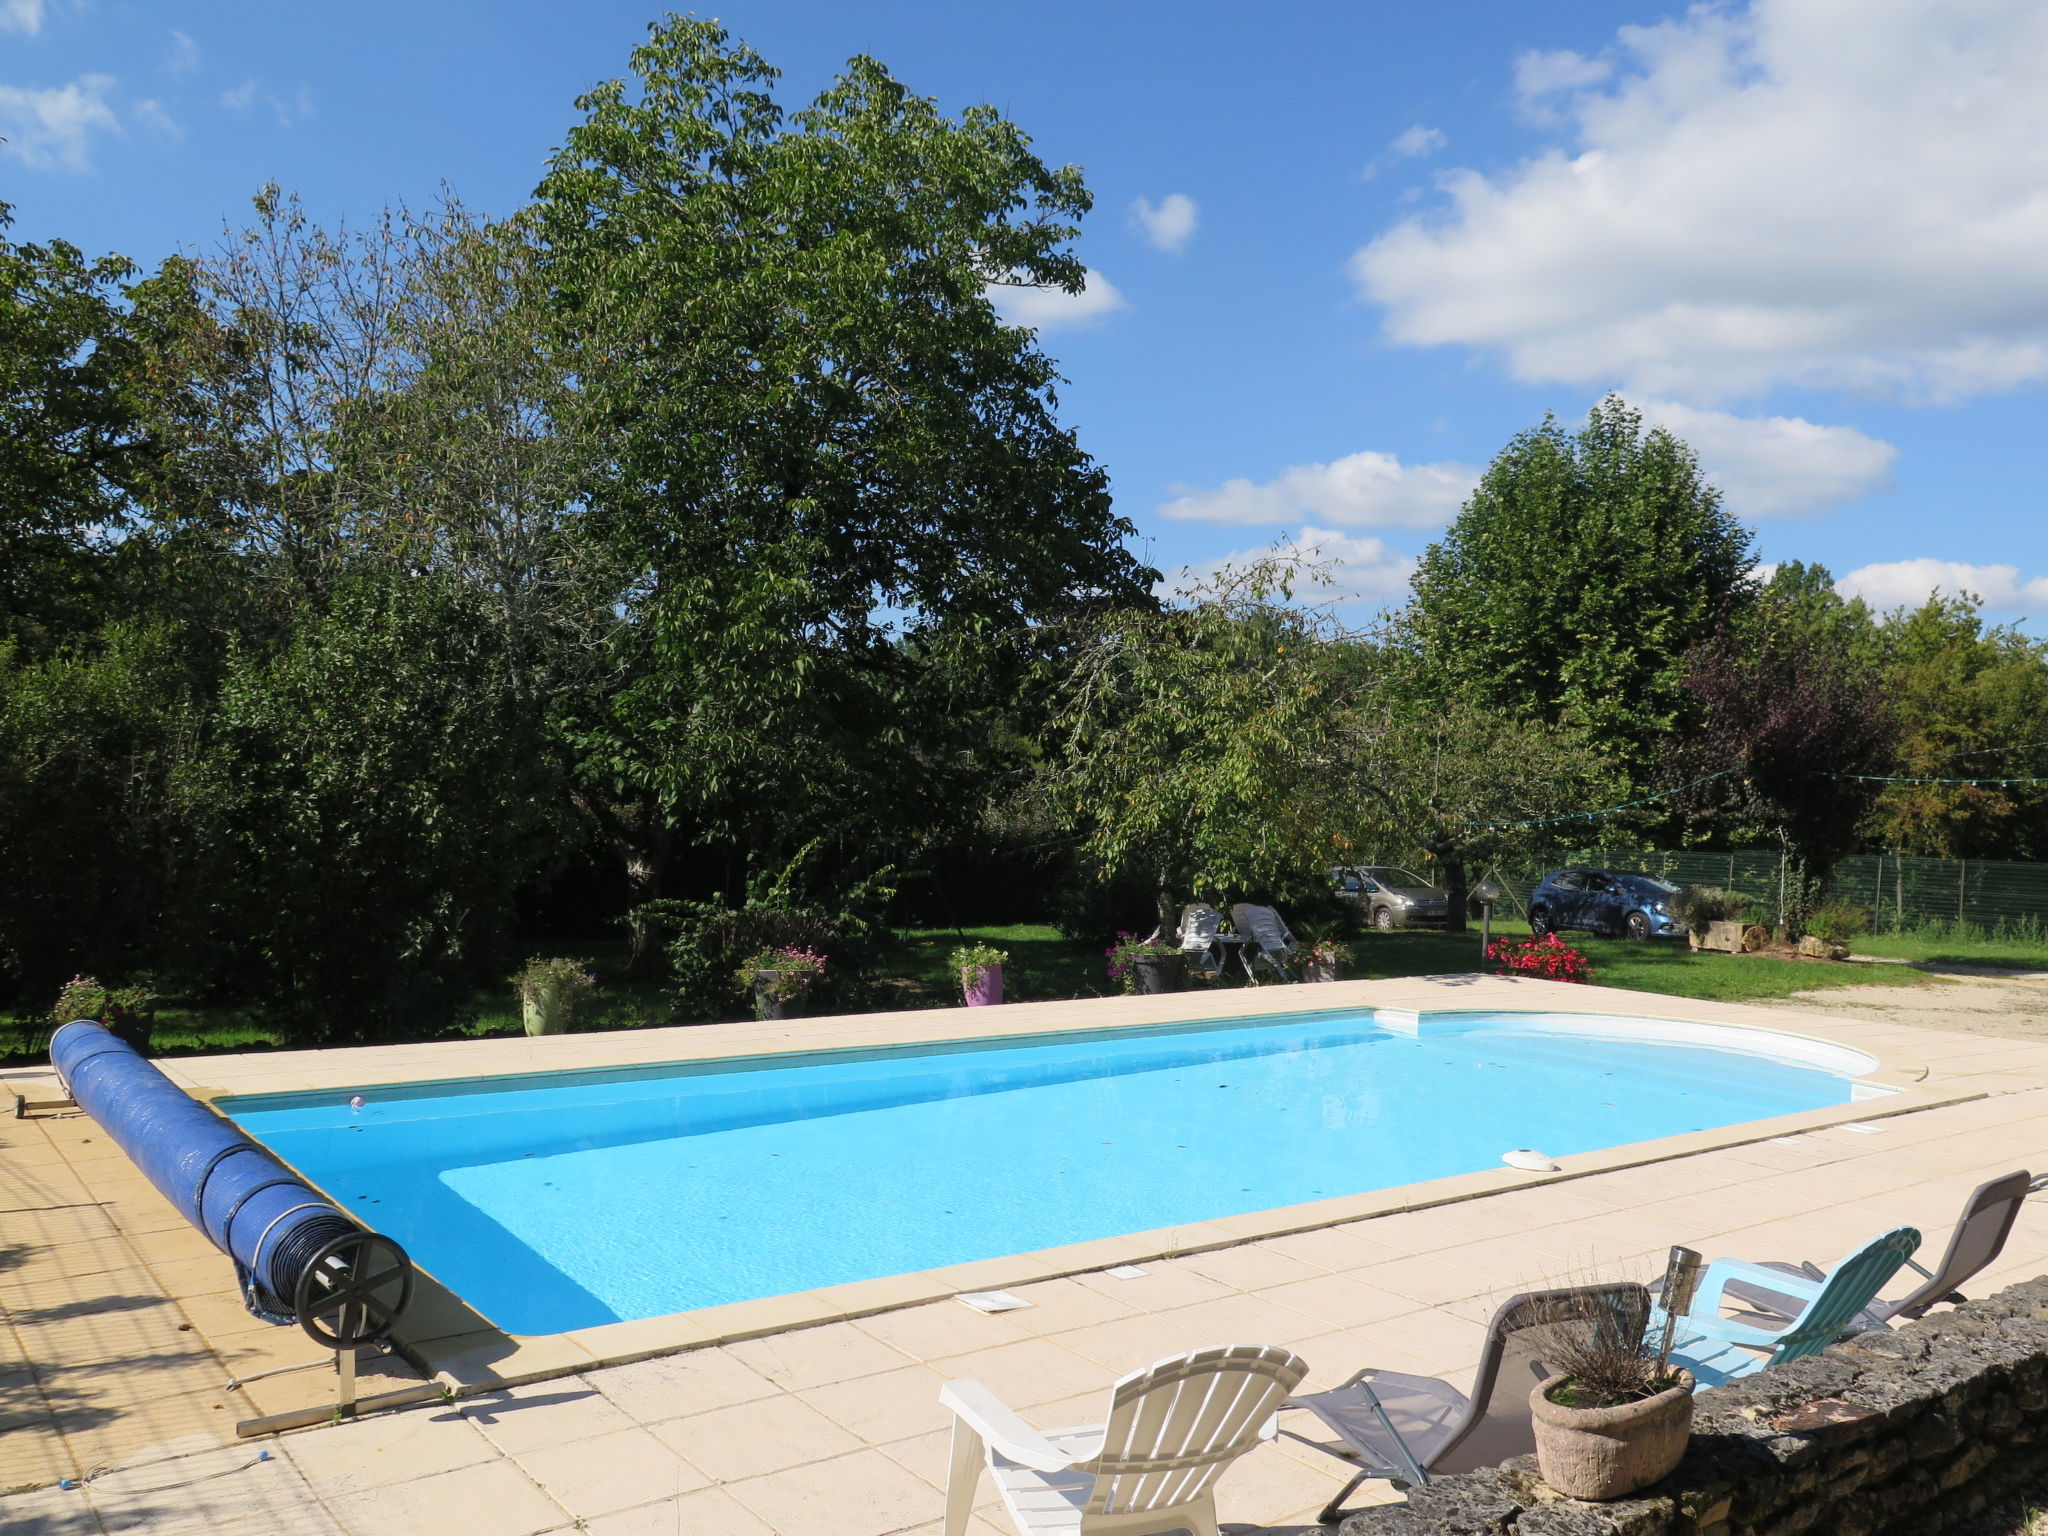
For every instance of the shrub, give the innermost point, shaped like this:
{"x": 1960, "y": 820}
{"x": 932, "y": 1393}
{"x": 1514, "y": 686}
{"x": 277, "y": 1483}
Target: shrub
{"x": 1837, "y": 921}
{"x": 1696, "y": 906}
{"x": 1548, "y": 958}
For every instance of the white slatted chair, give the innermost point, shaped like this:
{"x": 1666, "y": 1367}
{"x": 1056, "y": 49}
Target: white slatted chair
{"x": 1151, "y": 1469}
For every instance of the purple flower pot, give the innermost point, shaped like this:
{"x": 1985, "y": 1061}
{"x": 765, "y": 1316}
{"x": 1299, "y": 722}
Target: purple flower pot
{"x": 986, "y": 990}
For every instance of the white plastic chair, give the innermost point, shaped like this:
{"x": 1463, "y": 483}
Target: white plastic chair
{"x": 1150, "y": 1469}
{"x": 1201, "y": 947}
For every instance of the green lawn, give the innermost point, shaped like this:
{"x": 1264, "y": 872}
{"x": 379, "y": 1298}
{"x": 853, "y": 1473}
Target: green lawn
{"x": 1663, "y": 965}
{"x": 1945, "y": 944}
{"x": 1043, "y": 966}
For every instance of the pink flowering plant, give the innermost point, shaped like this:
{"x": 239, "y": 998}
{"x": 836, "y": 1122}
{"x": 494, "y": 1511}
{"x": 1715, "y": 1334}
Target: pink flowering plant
{"x": 84, "y": 997}
{"x": 783, "y": 973}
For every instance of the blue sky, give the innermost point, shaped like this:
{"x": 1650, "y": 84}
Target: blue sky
{"x": 1343, "y": 251}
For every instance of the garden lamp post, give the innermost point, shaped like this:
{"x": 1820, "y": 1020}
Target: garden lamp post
{"x": 1488, "y": 893}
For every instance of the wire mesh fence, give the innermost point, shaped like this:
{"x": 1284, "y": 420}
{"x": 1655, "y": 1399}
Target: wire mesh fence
{"x": 1900, "y": 891}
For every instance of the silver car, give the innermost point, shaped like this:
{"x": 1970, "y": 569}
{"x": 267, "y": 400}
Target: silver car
{"x": 1391, "y": 897}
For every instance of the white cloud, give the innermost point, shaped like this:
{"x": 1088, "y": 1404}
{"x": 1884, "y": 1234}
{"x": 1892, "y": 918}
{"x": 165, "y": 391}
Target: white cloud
{"x": 1170, "y": 225}
{"x": 1409, "y": 144}
{"x": 1778, "y": 466}
{"x": 242, "y": 97}
{"x": 1358, "y": 569}
{"x": 1797, "y": 192}
{"x": 182, "y": 57}
{"x": 1374, "y": 490}
{"x": 151, "y": 114}
{"x": 21, "y": 16}
{"x": 1909, "y": 583}
{"x": 53, "y": 129}
{"x": 1417, "y": 141}
{"x": 1539, "y": 74}
{"x": 1054, "y": 309}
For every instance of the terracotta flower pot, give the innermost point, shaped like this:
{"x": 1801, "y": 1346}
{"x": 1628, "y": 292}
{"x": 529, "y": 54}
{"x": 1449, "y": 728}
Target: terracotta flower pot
{"x": 985, "y": 990}
{"x": 1608, "y": 1453}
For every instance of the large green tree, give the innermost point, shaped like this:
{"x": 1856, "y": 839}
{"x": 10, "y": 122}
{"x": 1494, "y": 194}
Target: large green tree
{"x": 1973, "y": 699}
{"x": 836, "y": 473}
{"x": 1211, "y": 747}
{"x": 1575, "y": 579}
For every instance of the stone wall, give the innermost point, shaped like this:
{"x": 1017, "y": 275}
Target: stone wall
{"x": 1906, "y": 1433}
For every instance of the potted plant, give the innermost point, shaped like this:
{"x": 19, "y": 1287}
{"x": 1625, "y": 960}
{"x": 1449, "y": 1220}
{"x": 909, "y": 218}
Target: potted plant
{"x": 1616, "y": 1415}
{"x": 781, "y": 980}
{"x": 550, "y": 992}
{"x": 1322, "y": 960}
{"x": 980, "y": 969}
{"x": 1145, "y": 965}
{"x": 129, "y": 1012}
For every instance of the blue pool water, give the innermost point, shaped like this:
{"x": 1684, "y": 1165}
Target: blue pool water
{"x": 559, "y": 1201}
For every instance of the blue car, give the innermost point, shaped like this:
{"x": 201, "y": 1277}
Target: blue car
{"x": 1605, "y": 901}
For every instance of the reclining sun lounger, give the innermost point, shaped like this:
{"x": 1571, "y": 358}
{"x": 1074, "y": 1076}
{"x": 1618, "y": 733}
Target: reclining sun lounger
{"x": 1979, "y": 1237}
{"x": 1717, "y": 1348}
{"x": 1409, "y": 1428}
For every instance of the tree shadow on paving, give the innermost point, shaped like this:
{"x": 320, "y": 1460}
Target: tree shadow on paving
{"x": 69, "y": 1311}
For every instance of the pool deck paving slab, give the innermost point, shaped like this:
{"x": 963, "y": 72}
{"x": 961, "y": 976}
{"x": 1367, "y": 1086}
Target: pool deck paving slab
{"x": 835, "y": 1427}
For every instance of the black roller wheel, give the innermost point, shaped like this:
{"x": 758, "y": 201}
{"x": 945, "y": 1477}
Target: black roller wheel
{"x": 1638, "y": 926}
{"x": 1383, "y": 919}
{"x": 353, "y": 1291}
{"x": 1539, "y": 921}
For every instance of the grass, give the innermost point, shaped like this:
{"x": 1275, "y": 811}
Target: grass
{"x": 1663, "y": 965}
{"x": 1043, "y": 965}
{"x": 1948, "y": 943}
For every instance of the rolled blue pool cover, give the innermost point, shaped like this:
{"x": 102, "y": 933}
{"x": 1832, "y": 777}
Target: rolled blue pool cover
{"x": 250, "y": 1206}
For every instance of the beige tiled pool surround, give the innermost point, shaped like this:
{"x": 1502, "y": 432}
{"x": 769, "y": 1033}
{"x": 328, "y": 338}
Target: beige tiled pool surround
{"x": 464, "y": 1352}
{"x": 837, "y": 1427}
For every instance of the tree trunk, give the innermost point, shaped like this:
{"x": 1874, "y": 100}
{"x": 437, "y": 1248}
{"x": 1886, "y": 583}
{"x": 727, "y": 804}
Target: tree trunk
{"x": 642, "y": 837}
{"x": 1454, "y": 887}
{"x": 1166, "y": 907}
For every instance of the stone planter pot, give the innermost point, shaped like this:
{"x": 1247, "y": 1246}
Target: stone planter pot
{"x": 1312, "y": 971}
{"x": 768, "y": 1006}
{"x": 1609, "y": 1453}
{"x": 986, "y": 990}
{"x": 544, "y": 1013}
{"x": 1159, "y": 973}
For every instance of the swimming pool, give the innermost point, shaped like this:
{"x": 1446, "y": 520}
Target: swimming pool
{"x": 563, "y": 1200}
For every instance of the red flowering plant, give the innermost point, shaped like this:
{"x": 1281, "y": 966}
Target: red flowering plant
{"x": 1548, "y": 959}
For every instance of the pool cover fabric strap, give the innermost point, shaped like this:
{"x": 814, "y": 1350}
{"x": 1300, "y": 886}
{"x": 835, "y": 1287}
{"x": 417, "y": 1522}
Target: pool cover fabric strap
{"x": 250, "y": 1206}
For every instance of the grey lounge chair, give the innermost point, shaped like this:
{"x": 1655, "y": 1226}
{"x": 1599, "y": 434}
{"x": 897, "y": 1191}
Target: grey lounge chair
{"x": 1267, "y": 939}
{"x": 1979, "y": 1236}
{"x": 1413, "y": 1427}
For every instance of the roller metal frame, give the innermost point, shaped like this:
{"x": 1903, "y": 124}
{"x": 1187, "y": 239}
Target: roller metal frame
{"x": 348, "y": 1298}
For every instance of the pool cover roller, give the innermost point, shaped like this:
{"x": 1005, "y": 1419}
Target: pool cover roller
{"x": 273, "y": 1224}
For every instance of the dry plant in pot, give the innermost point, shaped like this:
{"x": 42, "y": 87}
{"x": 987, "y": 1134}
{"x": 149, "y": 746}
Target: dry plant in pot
{"x": 1616, "y": 1415}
